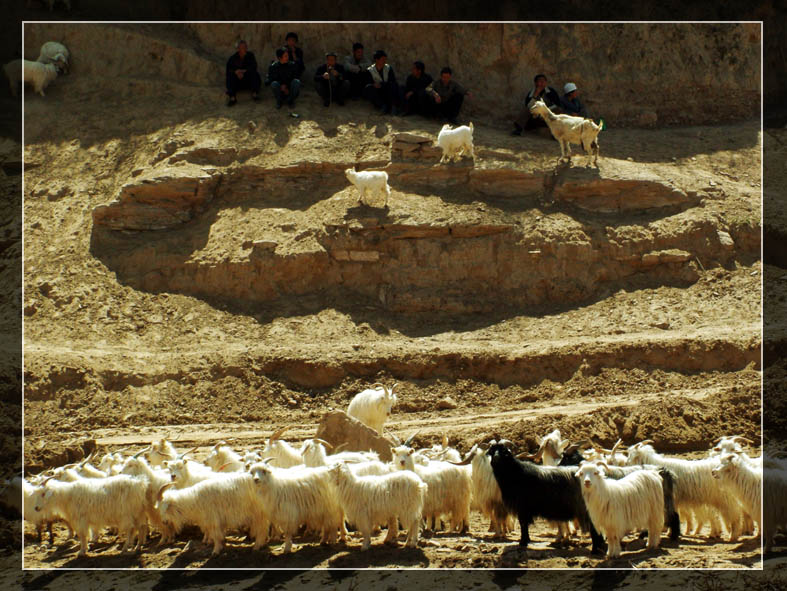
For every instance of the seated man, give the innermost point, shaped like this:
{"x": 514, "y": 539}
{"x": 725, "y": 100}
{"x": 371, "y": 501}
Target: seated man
{"x": 330, "y": 81}
{"x": 242, "y": 74}
{"x": 445, "y": 96}
{"x": 383, "y": 91}
{"x": 356, "y": 69}
{"x": 282, "y": 79}
{"x": 571, "y": 103}
{"x": 414, "y": 92}
{"x": 295, "y": 53}
{"x": 525, "y": 120}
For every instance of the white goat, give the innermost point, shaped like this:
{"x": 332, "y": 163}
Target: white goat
{"x": 373, "y": 406}
{"x": 282, "y": 453}
{"x": 215, "y": 505}
{"x": 371, "y": 181}
{"x": 161, "y": 451}
{"x": 486, "y": 496}
{"x": 314, "y": 454}
{"x": 618, "y": 506}
{"x": 456, "y": 142}
{"x": 449, "y": 488}
{"x": 137, "y": 466}
{"x": 39, "y": 75}
{"x": 223, "y": 458}
{"x": 568, "y": 130}
{"x": 695, "y": 488}
{"x": 91, "y": 504}
{"x": 387, "y": 498}
{"x": 296, "y": 496}
{"x": 744, "y": 480}
{"x": 53, "y": 52}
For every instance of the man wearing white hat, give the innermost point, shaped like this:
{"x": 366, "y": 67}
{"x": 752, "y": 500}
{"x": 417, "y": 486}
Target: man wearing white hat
{"x": 571, "y": 103}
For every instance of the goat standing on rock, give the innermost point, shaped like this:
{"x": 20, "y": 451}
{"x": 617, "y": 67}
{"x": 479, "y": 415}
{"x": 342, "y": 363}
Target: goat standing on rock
{"x": 456, "y": 142}
{"x": 568, "y": 130}
{"x": 373, "y": 181}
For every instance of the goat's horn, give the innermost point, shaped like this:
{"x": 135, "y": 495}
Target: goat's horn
{"x": 717, "y": 440}
{"x": 183, "y": 455}
{"x": 445, "y": 440}
{"x": 325, "y": 443}
{"x": 220, "y": 468}
{"x": 615, "y": 447}
{"x": 646, "y": 441}
{"x": 602, "y": 463}
{"x": 464, "y": 462}
{"x": 340, "y": 447}
{"x": 140, "y": 452}
{"x": 47, "y": 479}
{"x": 276, "y": 434}
{"x": 742, "y": 438}
{"x": 267, "y": 460}
{"x": 219, "y": 444}
{"x": 162, "y": 489}
{"x": 409, "y": 440}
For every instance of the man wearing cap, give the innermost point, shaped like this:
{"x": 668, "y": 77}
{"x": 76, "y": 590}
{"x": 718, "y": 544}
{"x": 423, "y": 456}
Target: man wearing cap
{"x": 525, "y": 120}
{"x": 330, "y": 81}
{"x": 571, "y": 103}
{"x": 382, "y": 91}
{"x": 242, "y": 74}
{"x": 282, "y": 79}
{"x": 355, "y": 68}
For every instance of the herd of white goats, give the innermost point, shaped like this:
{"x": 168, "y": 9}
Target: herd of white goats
{"x": 282, "y": 490}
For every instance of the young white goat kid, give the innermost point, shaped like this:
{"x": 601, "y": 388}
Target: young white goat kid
{"x": 568, "y": 130}
{"x": 617, "y": 507}
{"x": 370, "y": 181}
{"x": 456, "y": 143}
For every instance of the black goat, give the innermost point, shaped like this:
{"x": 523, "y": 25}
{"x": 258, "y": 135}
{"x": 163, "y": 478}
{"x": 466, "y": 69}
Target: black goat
{"x": 530, "y": 491}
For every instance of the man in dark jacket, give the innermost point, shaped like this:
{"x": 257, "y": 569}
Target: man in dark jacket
{"x": 282, "y": 79}
{"x": 525, "y": 120}
{"x": 355, "y": 68}
{"x": 242, "y": 74}
{"x": 445, "y": 96}
{"x": 383, "y": 91}
{"x": 295, "y": 53}
{"x": 414, "y": 95}
{"x": 330, "y": 81}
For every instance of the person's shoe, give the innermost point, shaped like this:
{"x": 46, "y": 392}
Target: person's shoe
{"x": 326, "y": 103}
{"x": 517, "y": 131}
{"x": 255, "y": 97}
{"x": 386, "y": 110}
{"x": 231, "y": 101}
{"x": 278, "y": 104}
{"x": 291, "y": 102}
{"x": 340, "y": 102}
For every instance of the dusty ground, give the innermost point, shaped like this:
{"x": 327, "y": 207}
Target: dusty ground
{"x": 671, "y": 354}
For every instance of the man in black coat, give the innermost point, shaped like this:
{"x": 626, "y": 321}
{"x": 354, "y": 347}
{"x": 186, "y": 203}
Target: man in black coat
{"x": 383, "y": 92}
{"x": 525, "y": 120}
{"x": 414, "y": 95}
{"x": 295, "y": 53}
{"x": 330, "y": 81}
{"x": 242, "y": 74}
{"x": 283, "y": 79}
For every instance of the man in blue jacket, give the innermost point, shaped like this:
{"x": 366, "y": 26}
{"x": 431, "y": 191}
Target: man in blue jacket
{"x": 242, "y": 74}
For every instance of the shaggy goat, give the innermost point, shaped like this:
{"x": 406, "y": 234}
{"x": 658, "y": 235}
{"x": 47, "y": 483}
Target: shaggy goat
{"x": 373, "y": 406}
{"x": 618, "y": 506}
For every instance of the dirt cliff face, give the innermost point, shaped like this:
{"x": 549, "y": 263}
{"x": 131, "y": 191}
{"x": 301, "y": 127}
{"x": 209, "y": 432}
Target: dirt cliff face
{"x": 643, "y": 75}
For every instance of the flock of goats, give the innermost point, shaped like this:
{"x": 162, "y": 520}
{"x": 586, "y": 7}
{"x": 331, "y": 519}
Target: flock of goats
{"x": 282, "y": 490}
